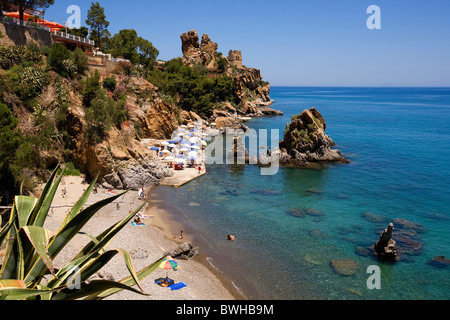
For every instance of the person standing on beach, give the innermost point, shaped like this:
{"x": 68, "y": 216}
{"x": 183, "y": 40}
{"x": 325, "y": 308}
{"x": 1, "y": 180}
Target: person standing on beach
{"x": 181, "y": 234}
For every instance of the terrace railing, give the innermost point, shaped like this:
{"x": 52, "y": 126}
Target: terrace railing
{"x": 28, "y": 24}
{"x": 72, "y": 37}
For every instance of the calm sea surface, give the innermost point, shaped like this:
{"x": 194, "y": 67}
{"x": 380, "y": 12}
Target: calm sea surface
{"x": 398, "y": 142}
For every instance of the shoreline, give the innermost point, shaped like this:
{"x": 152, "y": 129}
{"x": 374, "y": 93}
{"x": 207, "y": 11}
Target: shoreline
{"x": 146, "y": 244}
{"x": 171, "y": 229}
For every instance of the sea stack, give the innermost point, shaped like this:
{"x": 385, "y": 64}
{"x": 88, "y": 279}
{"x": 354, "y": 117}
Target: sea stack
{"x": 385, "y": 247}
{"x": 305, "y": 141}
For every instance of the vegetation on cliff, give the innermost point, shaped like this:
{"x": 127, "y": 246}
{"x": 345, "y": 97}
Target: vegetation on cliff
{"x": 56, "y": 109}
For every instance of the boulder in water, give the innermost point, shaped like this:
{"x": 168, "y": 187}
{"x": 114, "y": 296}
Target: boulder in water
{"x": 345, "y": 267}
{"x": 439, "y": 262}
{"x": 385, "y": 247}
{"x": 295, "y": 212}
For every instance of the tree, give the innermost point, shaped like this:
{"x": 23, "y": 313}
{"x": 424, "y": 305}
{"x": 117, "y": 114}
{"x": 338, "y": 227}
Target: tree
{"x": 147, "y": 53}
{"x": 31, "y": 4}
{"x": 129, "y": 45}
{"x": 96, "y": 19}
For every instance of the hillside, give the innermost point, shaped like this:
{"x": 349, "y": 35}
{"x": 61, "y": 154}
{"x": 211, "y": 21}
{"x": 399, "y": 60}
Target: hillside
{"x": 56, "y": 109}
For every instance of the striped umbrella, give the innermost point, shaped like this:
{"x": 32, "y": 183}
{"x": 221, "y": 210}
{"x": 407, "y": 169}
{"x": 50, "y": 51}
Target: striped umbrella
{"x": 168, "y": 263}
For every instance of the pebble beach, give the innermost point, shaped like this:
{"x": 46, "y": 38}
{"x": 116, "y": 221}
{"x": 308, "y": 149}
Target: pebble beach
{"x": 146, "y": 244}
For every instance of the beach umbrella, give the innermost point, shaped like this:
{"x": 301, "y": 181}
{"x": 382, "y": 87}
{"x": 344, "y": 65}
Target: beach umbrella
{"x": 171, "y": 141}
{"x": 154, "y": 148}
{"x": 165, "y": 143}
{"x": 193, "y": 154}
{"x": 166, "y": 151}
{"x": 203, "y": 142}
{"x": 184, "y": 142}
{"x": 195, "y": 147}
{"x": 172, "y": 145}
{"x": 177, "y": 139}
{"x": 184, "y": 149}
{"x": 170, "y": 158}
{"x": 193, "y": 140}
{"x": 168, "y": 263}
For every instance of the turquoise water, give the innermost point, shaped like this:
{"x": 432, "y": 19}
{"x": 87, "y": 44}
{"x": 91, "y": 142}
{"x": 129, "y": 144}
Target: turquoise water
{"x": 397, "y": 140}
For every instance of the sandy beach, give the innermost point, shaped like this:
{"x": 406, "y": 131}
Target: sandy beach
{"x": 146, "y": 244}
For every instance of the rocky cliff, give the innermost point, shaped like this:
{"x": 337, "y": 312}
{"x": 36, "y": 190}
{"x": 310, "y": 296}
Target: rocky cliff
{"x": 305, "y": 141}
{"x": 121, "y": 159}
{"x": 250, "y": 91}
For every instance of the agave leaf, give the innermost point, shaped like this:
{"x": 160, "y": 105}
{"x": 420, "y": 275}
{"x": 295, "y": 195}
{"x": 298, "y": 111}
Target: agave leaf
{"x": 4, "y": 232}
{"x": 12, "y": 283}
{"x": 39, "y": 238}
{"x": 14, "y": 293}
{"x": 24, "y": 206}
{"x": 43, "y": 210}
{"x": 129, "y": 281}
{"x": 79, "y": 204}
{"x": 63, "y": 237}
{"x": 13, "y": 264}
{"x": 104, "y": 238}
{"x": 92, "y": 289}
{"x": 45, "y": 191}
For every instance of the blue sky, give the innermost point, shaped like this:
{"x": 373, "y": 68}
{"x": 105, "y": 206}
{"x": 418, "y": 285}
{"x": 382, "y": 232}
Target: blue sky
{"x": 300, "y": 42}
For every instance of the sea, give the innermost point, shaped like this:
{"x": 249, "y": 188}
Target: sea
{"x": 398, "y": 144}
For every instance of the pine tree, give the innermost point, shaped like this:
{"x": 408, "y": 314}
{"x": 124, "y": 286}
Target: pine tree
{"x": 96, "y": 19}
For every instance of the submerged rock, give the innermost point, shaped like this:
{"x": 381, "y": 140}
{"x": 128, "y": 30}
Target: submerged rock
{"x": 295, "y": 212}
{"x": 406, "y": 224}
{"x": 313, "y": 212}
{"x": 372, "y": 217}
{"x": 439, "y": 262}
{"x": 345, "y": 267}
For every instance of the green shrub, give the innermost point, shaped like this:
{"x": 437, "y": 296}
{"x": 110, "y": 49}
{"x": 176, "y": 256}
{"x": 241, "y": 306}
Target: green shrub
{"x": 80, "y": 60}
{"x": 14, "y": 55}
{"x": 91, "y": 86}
{"x": 34, "y": 77}
{"x": 110, "y": 84}
{"x": 58, "y": 59}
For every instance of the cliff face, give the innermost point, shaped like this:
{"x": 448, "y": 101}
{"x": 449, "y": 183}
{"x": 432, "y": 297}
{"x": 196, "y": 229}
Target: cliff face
{"x": 250, "y": 91}
{"x": 305, "y": 141}
{"x": 121, "y": 159}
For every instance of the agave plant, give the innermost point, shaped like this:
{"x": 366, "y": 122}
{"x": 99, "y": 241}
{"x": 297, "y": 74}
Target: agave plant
{"x": 31, "y": 249}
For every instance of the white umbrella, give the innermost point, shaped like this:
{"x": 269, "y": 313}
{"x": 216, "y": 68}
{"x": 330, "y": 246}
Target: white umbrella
{"x": 165, "y": 143}
{"x": 193, "y": 140}
{"x": 172, "y": 145}
{"x": 195, "y": 147}
{"x": 166, "y": 151}
{"x": 169, "y": 158}
{"x": 184, "y": 149}
{"x": 193, "y": 154}
{"x": 203, "y": 142}
{"x": 191, "y": 126}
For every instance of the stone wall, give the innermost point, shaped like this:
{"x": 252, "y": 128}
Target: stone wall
{"x": 16, "y": 35}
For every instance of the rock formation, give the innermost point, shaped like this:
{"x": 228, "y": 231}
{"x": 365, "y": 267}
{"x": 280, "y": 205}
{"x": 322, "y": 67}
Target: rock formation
{"x": 385, "y": 247}
{"x": 305, "y": 141}
{"x": 184, "y": 251}
{"x": 250, "y": 91}
{"x": 121, "y": 160}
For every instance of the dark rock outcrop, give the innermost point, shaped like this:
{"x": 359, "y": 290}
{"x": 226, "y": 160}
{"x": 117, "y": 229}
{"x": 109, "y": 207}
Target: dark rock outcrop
{"x": 305, "y": 141}
{"x": 184, "y": 251}
{"x": 385, "y": 247}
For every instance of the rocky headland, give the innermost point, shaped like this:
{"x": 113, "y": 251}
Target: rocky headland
{"x": 305, "y": 141}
